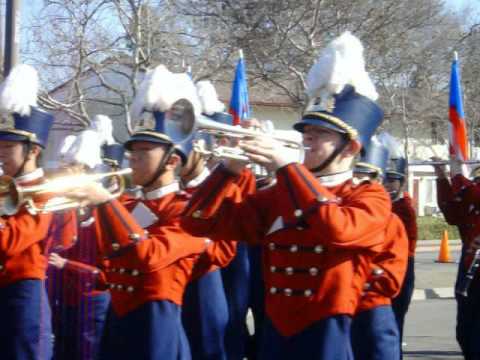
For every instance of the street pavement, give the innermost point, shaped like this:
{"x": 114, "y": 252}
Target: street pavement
{"x": 430, "y": 322}
{"x": 430, "y": 331}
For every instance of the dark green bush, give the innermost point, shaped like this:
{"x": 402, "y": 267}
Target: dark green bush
{"x": 432, "y": 227}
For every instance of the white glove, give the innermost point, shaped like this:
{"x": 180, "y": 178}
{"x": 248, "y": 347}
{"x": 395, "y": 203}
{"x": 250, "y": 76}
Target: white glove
{"x": 458, "y": 167}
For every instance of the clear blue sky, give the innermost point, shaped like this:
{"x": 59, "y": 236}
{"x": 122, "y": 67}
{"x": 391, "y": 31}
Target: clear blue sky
{"x": 30, "y": 9}
{"x": 458, "y": 5}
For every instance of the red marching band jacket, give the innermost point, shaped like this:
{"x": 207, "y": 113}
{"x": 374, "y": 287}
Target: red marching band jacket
{"x": 221, "y": 252}
{"x": 388, "y": 268}
{"x": 26, "y": 239}
{"x": 460, "y": 204}
{"x": 318, "y": 239}
{"x": 155, "y": 262}
{"x": 403, "y": 208}
{"x": 454, "y": 209}
{"x": 145, "y": 264}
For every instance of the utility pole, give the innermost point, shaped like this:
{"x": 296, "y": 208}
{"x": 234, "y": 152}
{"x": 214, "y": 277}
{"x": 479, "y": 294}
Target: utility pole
{"x": 12, "y": 35}
{"x": 2, "y": 32}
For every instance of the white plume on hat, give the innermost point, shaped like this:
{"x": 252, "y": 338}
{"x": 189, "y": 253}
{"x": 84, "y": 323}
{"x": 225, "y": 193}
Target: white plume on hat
{"x": 209, "y": 98}
{"x": 395, "y": 150}
{"x": 83, "y": 148}
{"x": 341, "y": 63}
{"x": 160, "y": 89}
{"x": 19, "y": 91}
{"x": 102, "y": 124}
{"x": 67, "y": 144}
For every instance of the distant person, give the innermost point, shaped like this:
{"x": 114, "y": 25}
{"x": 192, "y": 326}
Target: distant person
{"x": 458, "y": 199}
{"x": 402, "y": 206}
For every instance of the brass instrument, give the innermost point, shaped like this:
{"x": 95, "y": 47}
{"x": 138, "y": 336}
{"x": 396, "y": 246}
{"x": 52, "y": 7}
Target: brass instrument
{"x": 440, "y": 162}
{"x": 54, "y": 192}
{"x": 182, "y": 128}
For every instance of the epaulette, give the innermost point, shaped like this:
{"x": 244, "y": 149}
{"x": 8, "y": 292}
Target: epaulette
{"x": 359, "y": 181}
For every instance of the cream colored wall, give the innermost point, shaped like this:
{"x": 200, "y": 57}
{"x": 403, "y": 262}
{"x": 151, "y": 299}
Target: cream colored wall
{"x": 283, "y": 118}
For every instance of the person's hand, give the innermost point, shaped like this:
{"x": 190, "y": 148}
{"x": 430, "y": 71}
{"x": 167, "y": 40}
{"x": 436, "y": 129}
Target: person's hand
{"x": 268, "y": 152}
{"x": 234, "y": 166}
{"x": 440, "y": 169}
{"x": 56, "y": 260}
{"x": 458, "y": 167}
{"x": 91, "y": 193}
{"x": 251, "y": 124}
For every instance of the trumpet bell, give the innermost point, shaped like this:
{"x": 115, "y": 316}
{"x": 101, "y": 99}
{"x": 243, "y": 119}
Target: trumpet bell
{"x": 52, "y": 195}
{"x": 179, "y": 123}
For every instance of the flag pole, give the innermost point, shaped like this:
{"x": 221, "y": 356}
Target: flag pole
{"x": 455, "y": 56}
{"x": 240, "y": 53}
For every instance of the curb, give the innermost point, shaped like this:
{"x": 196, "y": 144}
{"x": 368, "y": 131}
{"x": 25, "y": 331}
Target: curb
{"x": 434, "y": 245}
{"x": 435, "y": 293}
{"x": 430, "y": 248}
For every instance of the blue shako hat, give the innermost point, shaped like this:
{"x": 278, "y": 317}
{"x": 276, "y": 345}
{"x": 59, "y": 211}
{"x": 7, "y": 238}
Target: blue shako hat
{"x": 172, "y": 100}
{"x": 32, "y": 128}
{"x": 397, "y": 169}
{"x": 374, "y": 161}
{"x": 221, "y": 117}
{"x": 341, "y": 95}
{"x": 350, "y": 113}
{"x": 18, "y": 98}
{"x": 113, "y": 153}
{"x": 154, "y": 135}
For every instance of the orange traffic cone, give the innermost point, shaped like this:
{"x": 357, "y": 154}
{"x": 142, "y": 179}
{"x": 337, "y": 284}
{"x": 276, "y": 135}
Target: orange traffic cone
{"x": 444, "y": 254}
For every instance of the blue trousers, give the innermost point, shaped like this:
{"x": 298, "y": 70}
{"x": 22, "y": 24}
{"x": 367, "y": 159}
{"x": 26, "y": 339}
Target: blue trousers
{"x": 25, "y": 325}
{"x": 468, "y": 316}
{"x": 256, "y": 301}
{"x": 152, "y": 332}
{"x": 79, "y": 329}
{"x": 205, "y": 317}
{"x": 328, "y": 339}
{"x": 236, "y": 281}
{"x": 375, "y": 335}
{"x": 401, "y": 303}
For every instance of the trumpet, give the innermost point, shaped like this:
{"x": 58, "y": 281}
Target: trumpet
{"x": 183, "y": 128}
{"x": 51, "y": 196}
{"x": 441, "y": 162}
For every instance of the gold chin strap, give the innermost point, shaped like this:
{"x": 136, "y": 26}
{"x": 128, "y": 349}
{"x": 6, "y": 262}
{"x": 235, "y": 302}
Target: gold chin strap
{"x": 31, "y": 136}
{"x": 370, "y": 166}
{"x": 351, "y": 132}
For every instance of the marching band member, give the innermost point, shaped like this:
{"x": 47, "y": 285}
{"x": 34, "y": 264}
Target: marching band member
{"x": 81, "y": 306}
{"x": 205, "y": 309}
{"x": 146, "y": 256}
{"x": 459, "y": 203}
{"x": 316, "y": 228}
{"x": 402, "y": 206}
{"x": 375, "y": 333}
{"x": 24, "y": 238}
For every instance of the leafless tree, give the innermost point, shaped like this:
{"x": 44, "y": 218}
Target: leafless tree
{"x": 95, "y": 51}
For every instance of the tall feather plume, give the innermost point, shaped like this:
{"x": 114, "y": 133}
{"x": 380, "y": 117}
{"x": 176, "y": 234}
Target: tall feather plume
{"x": 209, "y": 98}
{"x": 395, "y": 150}
{"x": 161, "y": 89}
{"x": 138, "y": 102}
{"x": 66, "y": 145}
{"x": 341, "y": 63}
{"x": 102, "y": 124}
{"x": 18, "y": 92}
{"x": 82, "y": 149}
